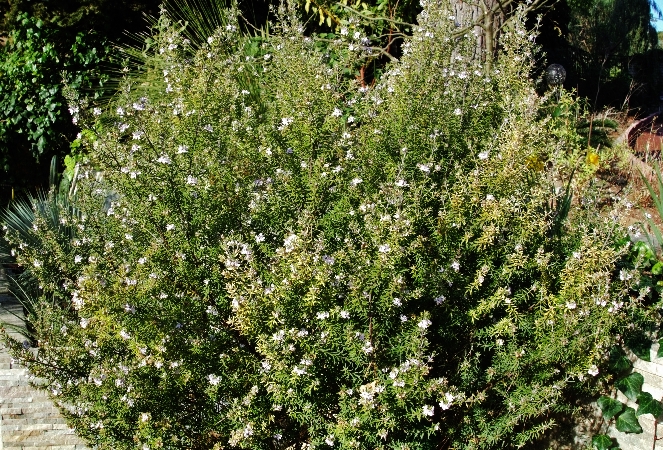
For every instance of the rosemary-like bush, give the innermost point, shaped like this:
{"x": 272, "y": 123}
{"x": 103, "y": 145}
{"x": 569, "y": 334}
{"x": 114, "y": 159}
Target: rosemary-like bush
{"x": 270, "y": 255}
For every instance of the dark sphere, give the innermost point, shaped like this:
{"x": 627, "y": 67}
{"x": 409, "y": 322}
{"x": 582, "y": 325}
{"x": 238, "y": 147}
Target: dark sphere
{"x": 555, "y": 74}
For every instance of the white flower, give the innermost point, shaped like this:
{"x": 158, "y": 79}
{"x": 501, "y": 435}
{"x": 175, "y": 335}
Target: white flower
{"x": 500, "y": 342}
{"x": 571, "y": 305}
{"x": 78, "y": 258}
{"x": 397, "y": 301}
{"x": 593, "y": 371}
{"x": 490, "y": 197}
{"x": 299, "y": 370}
{"x": 120, "y": 111}
{"x": 137, "y": 135}
{"x": 285, "y": 123}
{"x": 403, "y": 318}
{"x": 124, "y": 335}
{"x": 84, "y": 322}
{"x": 213, "y": 379}
{"x": 260, "y": 238}
{"x": 96, "y": 111}
{"x": 458, "y": 112}
{"x": 36, "y": 263}
{"x": 367, "y": 348}
{"x": 351, "y": 119}
{"x": 423, "y": 167}
{"x": 337, "y": 112}
{"x": 355, "y": 181}
{"x": 385, "y": 248}
{"x": 144, "y": 417}
{"x": 123, "y": 127}
{"x": 428, "y": 410}
{"x": 191, "y": 180}
{"x": 330, "y": 440}
{"x": 424, "y": 323}
{"x": 344, "y": 31}
{"x": 170, "y": 227}
{"x": 345, "y": 315}
{"x": 135, "y": 148}
{"x": 483, "y": 155}
{"x": 401, "y": 183}
{"x": 322, "y": 315}
{"x": 446, "y": 403}
{"x": 328, "y": 259}
{"x": 278, "y": 337}
{"x": 164, "y": 159}
{"x": 208, "y": 128}
{"x": 455, "y": 266}
{"x": 439, "y": 300}
{"x": 182, "y": 149}
{"x": 289, "y": 243}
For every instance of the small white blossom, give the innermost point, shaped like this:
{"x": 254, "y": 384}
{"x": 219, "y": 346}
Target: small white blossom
{"x": 428, "y": 410}
{"x": 337, "y": 113}
{"x": 345, "y": 315}
{"x": 593, "y": 371}
{"x": 164, "y": 159}
{"x": 455, "y": 266}
{"x": 483, "y": 155}
{"x": 424, "y": 323}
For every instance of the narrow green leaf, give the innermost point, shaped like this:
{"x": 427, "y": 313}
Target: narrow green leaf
{"x": 659, "y": 353}
{"x": 631, "y": 386}
{"x": 648, "y": 405}
{"x": 610, "y": 406}
{"x": 627, "y": 422}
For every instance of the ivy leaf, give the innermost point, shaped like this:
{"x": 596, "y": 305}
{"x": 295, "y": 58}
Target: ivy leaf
{"x": 631, "y": 386}
{"x": 602, "y": 442}
{"x": 619, "y": 362}
{"x": 627, "y": 422}
{"x": 648, "y": 405}
{"x": 609, "y": 406}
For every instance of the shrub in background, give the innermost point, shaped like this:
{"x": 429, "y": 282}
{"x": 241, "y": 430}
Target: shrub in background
{"x": 268, "y": 254}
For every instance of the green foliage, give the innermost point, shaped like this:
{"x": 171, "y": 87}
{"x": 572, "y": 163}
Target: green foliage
{"x": 260, "y": 252}
{"x": 631, "y": 385}
{"x": 647, "y": 405}
{"x": 603, "y": 442}
{"x": 609, "y": 406}
{"x": 33, "y": 65}
{"x": 627, "y": 422}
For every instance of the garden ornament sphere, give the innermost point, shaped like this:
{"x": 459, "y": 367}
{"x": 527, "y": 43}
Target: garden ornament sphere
{"x": 555, "y": 75}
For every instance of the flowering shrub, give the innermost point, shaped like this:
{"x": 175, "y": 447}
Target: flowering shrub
{"x": 266, "y": 254}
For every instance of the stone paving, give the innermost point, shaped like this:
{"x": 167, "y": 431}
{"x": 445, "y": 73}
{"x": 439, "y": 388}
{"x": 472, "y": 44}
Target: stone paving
{"x": 28, "y": 419}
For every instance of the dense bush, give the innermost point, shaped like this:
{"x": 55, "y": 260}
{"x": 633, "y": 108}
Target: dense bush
{"x": 35, "y": 64}
{"x": 261, "y": 253}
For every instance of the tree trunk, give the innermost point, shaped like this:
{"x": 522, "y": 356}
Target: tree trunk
{"x": 484, "y": 18}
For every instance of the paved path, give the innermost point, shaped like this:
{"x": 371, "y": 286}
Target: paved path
{"x": 28, "y": 419}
